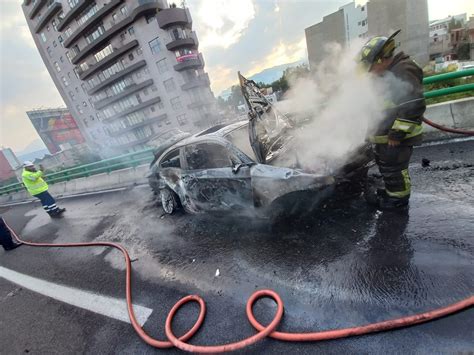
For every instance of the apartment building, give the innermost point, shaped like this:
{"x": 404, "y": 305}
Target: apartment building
{"x": 375, "y": 18}
{"x": 128, "y": 70}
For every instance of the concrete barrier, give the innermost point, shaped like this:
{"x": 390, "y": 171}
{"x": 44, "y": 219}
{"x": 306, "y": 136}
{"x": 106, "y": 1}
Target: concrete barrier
{"x": 95, "y": 183}
{"x": 454, "y": 114}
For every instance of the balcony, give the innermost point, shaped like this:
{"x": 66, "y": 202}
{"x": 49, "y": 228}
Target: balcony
{"x": 97, "y": 17}
{"x": 138, "y": 141}
{"x": 190, "y": 61}
{"x": 182, "y": 43}
{"x": 198, "y": 104}
{"x": 36, "y": 7}
{"x": 137, "y": 125}
{"x": 150, "y": 102}
{"x": 93, "y": 68}
{"x": 144, "y": 7}
{"x": 174, "y": 16}
{"x": 54, "y": 8}
{"x": 202, "y": 80}
{"x": 130, "y": 90}
{"x": 72, "y": 14}
{"x": 117, "y": 76}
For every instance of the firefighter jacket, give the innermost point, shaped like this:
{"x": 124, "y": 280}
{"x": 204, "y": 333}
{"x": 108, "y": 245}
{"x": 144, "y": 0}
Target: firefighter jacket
{"x": 34, "y": 182}
{"x": 405, "y": 104}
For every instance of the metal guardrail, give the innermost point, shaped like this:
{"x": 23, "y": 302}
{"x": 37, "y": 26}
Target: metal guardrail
{"x": 144, "y": 156}
{"x": 449, "y": 90}
{"x": 104, "y": 166}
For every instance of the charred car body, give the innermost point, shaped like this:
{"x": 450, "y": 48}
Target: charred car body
{"x": 235, "y": 166}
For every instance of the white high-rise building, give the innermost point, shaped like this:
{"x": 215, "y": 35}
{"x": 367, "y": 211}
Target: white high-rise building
{"x": 128, "y": 70}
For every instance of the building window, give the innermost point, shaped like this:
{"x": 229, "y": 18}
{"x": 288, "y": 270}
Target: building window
{"x": 169, "y": 85}
{"x": 77, "y": 89}
{"x": 54, "y": 44}
{"x": 87, "y": 13}
{"x": 122, "y": 36}
{"x": 139, "y": 99}
{"x": 123, "y": 10}
{"x": 58, "y": 68}
{"x": 145, "y": 92}
{"x": 182, "y": 119}
{"x": 69, "y": 56}
{"x": 68, "y": 32}
{"x": 49, "y": 51}
{"x": 131, "y": 57}
{"x": 139, "y": 50}
{"x": 131, "y": 31}
{"x": 176, "y": 103}
{"x": 104, "y": 53}
{"x": 152, "y": 109}
{"x": 114, "y": 18}
{"x": 65, "y": 82}
{"x": 84, "y": 66}
{"x": 61, "y": 16}
{"x": 54, "y": 25}
{"x": 92, "y": 35}
{"x": 84, "y": 103}
{"x": 61, "y": 59}
{"x": 155, "y": 46}
{"x": 47, "y": 28}
{"x": 72, "y": 3}
{"x": 43, "y": 36}
{"x": 154, "y": 88}
{"x": 71, "y": 94}
{"x": 162, "y": 66}
{"x": 79, "y": 109}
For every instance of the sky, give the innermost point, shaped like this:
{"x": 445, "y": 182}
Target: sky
{"x": 245, "y": 35}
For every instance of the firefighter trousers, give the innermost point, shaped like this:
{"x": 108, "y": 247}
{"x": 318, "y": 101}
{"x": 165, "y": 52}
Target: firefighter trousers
{"x": 393, "y": 165}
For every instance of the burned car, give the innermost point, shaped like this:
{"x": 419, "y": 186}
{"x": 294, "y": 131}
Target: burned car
{"x": 234, "y": 167}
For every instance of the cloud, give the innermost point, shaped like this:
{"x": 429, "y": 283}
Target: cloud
{"x": 223, "y": 22}
{"x": 25, "y": 82}
{"x": 283, "y": 53}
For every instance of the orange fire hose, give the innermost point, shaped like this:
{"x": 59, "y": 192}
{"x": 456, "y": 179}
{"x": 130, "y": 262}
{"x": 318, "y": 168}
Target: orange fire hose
{"x": 447, "y": 129}
{"x": 262, "y": 331}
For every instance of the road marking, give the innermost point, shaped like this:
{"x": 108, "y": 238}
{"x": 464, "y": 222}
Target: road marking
{"x": 107, "y": 306}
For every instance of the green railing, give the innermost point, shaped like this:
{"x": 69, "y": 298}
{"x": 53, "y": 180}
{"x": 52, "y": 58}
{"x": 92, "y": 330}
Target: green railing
{"x": 104, "y": 166}
{"x": 448, "y": 76}
{"x": 145, "y": 156}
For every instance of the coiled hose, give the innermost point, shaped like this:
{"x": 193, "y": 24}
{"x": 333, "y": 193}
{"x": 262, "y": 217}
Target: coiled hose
{"x": 262, "y": 331}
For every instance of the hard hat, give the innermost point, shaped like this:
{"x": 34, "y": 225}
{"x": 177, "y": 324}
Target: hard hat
{"x": 28, "y": 163}
{"x": 376, "y": 49}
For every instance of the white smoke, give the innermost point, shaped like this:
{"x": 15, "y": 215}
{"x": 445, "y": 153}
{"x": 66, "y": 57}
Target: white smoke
{"x": 344, "y": 105}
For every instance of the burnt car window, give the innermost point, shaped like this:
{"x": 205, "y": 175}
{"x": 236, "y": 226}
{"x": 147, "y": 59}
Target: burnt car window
{"x": 207, "y": 156}
{"x": 171, "y": 160}
{"x": 240, "y": 138}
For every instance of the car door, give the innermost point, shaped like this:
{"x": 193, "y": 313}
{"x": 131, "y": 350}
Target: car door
{"x": 213, "y": 181}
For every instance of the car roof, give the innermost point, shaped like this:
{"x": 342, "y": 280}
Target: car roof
{"x": 222, "y": 131}
{"x": 216, "y": 133}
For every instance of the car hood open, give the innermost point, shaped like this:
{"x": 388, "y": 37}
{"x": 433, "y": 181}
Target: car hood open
{"x": 267, "y": 126}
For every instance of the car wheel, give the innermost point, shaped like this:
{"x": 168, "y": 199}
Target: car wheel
{"x": 169, "y": 200}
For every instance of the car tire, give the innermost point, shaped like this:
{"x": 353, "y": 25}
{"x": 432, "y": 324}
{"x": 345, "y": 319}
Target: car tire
{"x": 169, "y": 201}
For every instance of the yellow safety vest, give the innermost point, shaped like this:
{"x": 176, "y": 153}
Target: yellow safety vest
{"x": 34, "y": 182}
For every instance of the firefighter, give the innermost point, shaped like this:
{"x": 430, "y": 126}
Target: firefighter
{"x": 400, "y": 128}
{"x": 6, "y": 240}
{"x": 37, "y": 187}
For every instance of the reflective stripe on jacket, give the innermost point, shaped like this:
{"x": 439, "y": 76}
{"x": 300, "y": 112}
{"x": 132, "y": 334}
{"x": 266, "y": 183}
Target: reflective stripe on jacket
{"x": 34, "y": 182}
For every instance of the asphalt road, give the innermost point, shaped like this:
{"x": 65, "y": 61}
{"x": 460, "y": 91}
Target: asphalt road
{"x": 347, "y": 265}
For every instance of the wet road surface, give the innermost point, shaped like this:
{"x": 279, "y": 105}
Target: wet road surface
{"x": 347, "y": 265}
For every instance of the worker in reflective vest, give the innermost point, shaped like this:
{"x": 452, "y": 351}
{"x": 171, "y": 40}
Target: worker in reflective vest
{"x": 401, "y": 127}
{"x": 37, "y": 187}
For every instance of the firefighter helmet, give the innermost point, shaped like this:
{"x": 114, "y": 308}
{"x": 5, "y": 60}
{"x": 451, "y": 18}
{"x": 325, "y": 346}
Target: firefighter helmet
{"x": 376, "y": 49}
